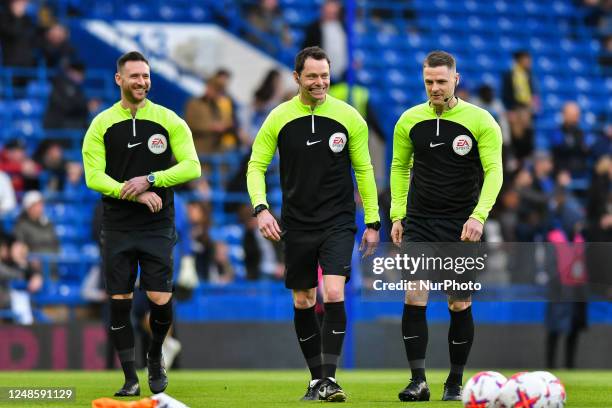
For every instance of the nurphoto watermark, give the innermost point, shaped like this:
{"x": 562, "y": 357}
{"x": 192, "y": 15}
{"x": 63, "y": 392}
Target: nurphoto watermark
{"x": 491, "y": 271}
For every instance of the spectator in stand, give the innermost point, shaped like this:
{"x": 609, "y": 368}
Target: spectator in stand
{"x": 566, "y": 314}
{"x": 596, "y": 12}
{"x": 605, "y": 55}
{"x": 328, "y": 33}
{"x": 599, "y": 226}
{"x": 50, "y": 156}
{"x": 22, "y": 170}
{"x": 267, "y": 96}
{"x": 223, "y": 79}
{"x": 14, "y": 267}
{"x": 75, "y": 182}
{"x": 7, "y": 194}
{"x": 262, "y": 258}
{"x": 507, "y": 213}
{"x": 525, "y": 221}
{"x": 266, "y": 17}
{"x": 570, "y": 143}
{"x": 18, "y": 37}
{"x": 7, "y": 273}
{"x": 33, "y": 279}
{"x": 57, "y": 49}
{"x": 520, "y": 99}
{"x": 543, "y": 166}
{"x": 602, "y": 144}
{"x": 487, "y": 99}
{"x": 211, "y": 257}
{"x": 34, "y": 228}
{"x": 68, "y": 107}
{"x": 212, "y": 117}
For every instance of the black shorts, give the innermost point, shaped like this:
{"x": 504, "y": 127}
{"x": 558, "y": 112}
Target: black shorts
{"x": 439, "y": 241}
{"x": 305, "y": 250}
{"x": 432, "y": 229}
{"x": 124, "y": 251}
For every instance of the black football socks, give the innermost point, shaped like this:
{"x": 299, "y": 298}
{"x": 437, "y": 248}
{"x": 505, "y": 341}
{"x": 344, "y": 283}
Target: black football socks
{"x": 415, "y": 335}
{"x": 333, "y": 330}
{"x": 460, "y": 338}
{"x": 308, "y": 333}
{"x": 122, "y": 336}
{"x": 160, "y": 321}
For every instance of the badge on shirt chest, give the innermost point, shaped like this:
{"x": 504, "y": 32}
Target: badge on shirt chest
{"x": 462, "y": 145}
{"x": 337, "y": 141}
{"x": 157, "y": 144}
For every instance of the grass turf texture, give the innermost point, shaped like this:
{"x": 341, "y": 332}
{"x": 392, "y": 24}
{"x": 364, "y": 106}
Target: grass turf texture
{"x": 252, "y": 389}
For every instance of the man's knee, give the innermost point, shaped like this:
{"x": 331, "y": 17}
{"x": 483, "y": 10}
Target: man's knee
{"x": 304, "y": 299}
{"x": 159, "y": 298}
{"x": 416, "y": 297}
{"x": 334, "y": 294}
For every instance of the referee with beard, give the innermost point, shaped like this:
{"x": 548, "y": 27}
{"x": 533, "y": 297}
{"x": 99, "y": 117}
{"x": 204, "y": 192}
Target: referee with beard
{"x": 128, "y": 157}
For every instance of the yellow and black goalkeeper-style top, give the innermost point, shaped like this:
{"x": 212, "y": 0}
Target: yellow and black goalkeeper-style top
{"x": 317, "y": 148}
{"x": 118, "y": 147}
{"x": 447, "y": 156}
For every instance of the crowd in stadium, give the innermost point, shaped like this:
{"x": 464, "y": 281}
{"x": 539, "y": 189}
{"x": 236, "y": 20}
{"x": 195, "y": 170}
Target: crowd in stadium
{"x": 565, "y": 188}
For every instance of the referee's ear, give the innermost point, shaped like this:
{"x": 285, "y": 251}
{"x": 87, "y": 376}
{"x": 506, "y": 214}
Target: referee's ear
{"x": 296, "y": 77}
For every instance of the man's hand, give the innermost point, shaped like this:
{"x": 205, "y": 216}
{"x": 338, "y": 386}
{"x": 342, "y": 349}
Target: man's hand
{"x": 151, "y": 200}
{"x": 397, "y": 230}
{"x": 472, "y": 230}
{"x": 35, "y": 283}
{"x": 268, "y": 226}
{"x": 369, "y": 241}
{"x": 134, "y": 187}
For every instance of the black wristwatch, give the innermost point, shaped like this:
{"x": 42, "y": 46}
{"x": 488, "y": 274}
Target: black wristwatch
{"x": 151, "y": 179}
{"x": 374, "y": 225}
{"x": 259, "y": 209}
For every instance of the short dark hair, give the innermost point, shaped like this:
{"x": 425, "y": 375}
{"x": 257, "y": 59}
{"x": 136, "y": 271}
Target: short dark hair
{"x": 130, "y": 56}
{"x": 223, "y": 72}
{"x": 518, "y": 54}
{"x": 439, "y": 58}
{"x": 316, "y": 53}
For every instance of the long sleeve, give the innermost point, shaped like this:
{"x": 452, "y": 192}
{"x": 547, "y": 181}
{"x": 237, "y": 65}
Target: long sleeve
{"x": 188, "y": 165}
{"x": 364, "y": 172}
{"x": 94, "y": 163}
{"x": 264, "y": 147}
{"x": 401, "y": 165}
{"x": 490, "y": 151}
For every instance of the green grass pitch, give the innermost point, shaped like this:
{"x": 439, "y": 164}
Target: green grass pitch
{"x": 253, "y": 389}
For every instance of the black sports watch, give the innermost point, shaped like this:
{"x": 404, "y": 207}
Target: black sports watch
{"x": 151, "y": 179}
{"x": 374, "y": 225}
{"x": 259, "y": 209}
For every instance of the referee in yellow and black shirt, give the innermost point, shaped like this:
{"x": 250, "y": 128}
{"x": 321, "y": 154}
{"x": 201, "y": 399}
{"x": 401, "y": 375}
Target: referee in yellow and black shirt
{"x": 447, "y": 145}
{"x": 127, "y": 155}
{"x": 319, "y": 138}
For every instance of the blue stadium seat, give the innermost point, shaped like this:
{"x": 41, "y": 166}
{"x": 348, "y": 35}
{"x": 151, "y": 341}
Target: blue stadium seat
{"x": 550, "y": 83}
{"x": 38, "y": 90}
{"x": 138, "y": 11}
{"x": 26, "y": 108}
{"x": 27, "y": 128}
{"x": 397, "y": 77}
